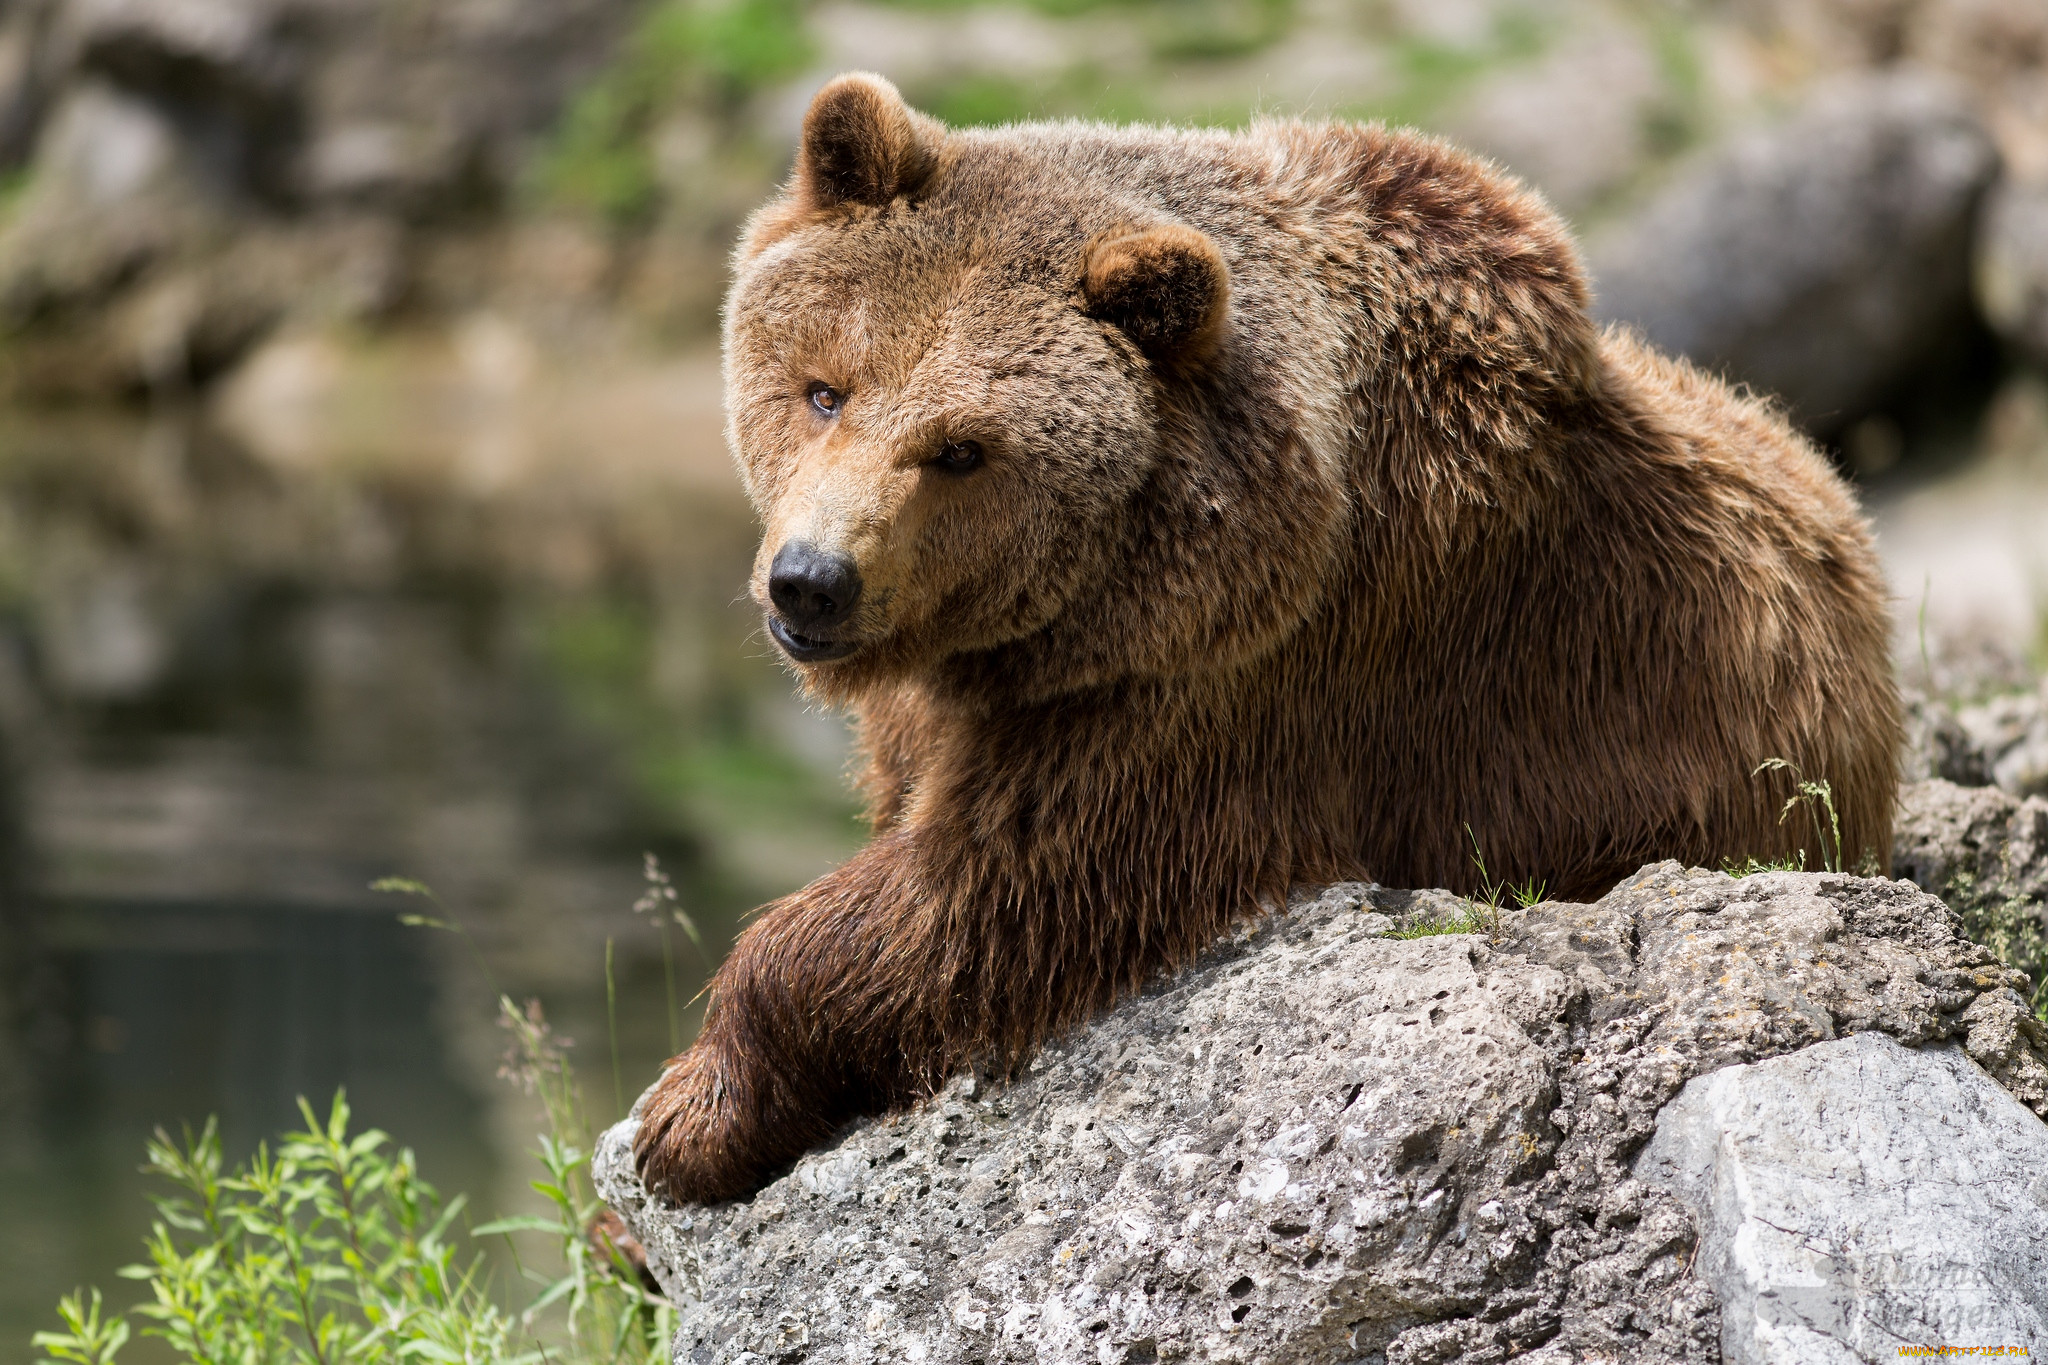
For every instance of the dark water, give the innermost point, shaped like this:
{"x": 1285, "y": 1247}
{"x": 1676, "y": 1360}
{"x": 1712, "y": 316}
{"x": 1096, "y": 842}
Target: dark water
{"x": 169, "y": 1013}
{"x": 232, "y": 697}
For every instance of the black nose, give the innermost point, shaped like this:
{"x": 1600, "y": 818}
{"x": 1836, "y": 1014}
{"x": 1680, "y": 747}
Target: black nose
{"x": 810, "y": 587}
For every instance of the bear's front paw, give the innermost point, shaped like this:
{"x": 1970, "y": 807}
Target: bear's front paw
{"x": 692, "y": 1145}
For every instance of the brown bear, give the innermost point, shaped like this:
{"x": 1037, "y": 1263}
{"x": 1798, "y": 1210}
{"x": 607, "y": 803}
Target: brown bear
{"x": 1189, "y": 515}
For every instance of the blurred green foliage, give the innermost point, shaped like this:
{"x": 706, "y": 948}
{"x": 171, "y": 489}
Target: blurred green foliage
{"x": 1208, "y": 30}
{"x": 979, "y": 100}
{"x": 706, "y": 61}
{"x": 713, "y": 53}
{"x": 1429, "y": 73}
{"x": 1679, "y": 119}
{"x": 13, "y": 183}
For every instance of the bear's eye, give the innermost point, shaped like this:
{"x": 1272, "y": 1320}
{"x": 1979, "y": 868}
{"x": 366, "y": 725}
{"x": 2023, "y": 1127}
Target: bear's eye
{"x": 826, "y": 399}
{"x": 957, "y": 457}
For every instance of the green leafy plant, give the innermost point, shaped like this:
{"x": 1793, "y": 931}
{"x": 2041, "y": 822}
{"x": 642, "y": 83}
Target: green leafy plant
{"x": 1818, "y": 800}
{"x": 89, "y": 1339}
{"x": 1485, "y": 909}
{"x": 605, "y": 1311}
{"x": 331, "y": 1250}
{"x": 1528, "y": 892}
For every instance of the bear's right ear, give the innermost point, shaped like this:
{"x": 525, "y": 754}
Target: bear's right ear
{"x": 863, "y": 145}
{"x": 1166, "y": 287}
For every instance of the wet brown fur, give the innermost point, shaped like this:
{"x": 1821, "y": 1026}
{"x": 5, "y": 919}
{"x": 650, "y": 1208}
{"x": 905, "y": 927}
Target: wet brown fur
{"x": 1318, "y": 526}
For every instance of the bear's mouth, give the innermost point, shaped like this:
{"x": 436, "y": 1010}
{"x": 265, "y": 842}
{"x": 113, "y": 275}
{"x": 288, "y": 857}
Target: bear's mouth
{"x": 807, "y": 649}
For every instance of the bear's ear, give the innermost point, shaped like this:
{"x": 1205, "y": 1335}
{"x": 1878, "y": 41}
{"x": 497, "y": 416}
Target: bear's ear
{"x": 1166, "y": 287}
{"x": 863, "y": 145}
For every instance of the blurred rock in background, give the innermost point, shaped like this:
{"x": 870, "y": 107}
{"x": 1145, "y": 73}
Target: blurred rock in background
{"x": 1824, "y": 259}
{"x": 2012, "y": 266}
{"x": 1797, "y": 193}
{"x": 192, "y": 171}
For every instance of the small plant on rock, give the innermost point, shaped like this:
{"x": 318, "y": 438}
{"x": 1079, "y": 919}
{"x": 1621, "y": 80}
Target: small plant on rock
{"x": 1478, "y": 914}
{"x": 1817, "y": 798}
{"x": 1470, "y": 918}
{"x": 1750, "y": 867}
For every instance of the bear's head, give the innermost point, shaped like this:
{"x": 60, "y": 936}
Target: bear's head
{"x": 979, "y": 399}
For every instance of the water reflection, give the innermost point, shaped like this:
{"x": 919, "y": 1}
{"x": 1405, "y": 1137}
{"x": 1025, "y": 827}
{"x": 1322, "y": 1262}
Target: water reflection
{"x": 175, "y": 1012}
{"x": 254, "y": 657}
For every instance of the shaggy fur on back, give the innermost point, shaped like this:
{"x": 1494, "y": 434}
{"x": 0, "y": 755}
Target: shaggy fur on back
{"x": 1232, "y": 511}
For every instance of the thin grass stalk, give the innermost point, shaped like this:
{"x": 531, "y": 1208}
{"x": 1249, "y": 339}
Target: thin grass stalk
{"x": 668, "y": 981}
{"x": 611, "y": 1015}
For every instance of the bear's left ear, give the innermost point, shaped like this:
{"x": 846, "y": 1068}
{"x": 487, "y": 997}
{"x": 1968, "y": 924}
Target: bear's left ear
{"x": 1166, "y": 287}
{"x": 863, "y": 145}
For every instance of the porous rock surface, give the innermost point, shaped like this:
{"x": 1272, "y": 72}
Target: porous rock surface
{"x": 1973, "y": 844}
{"x": 2010, "y": 731}
{"x": 1937, "y": 745}
{"x": 1322, "y": 1143}
{"x": 1856, "y": 1197}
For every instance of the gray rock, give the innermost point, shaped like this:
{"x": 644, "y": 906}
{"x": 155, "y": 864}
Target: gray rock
{"x": 200, "y": 165}
{"x": 182, "y": 48}
{"x": 1577, "y": 122}
{"x": 2011, "y": 732}
{"x": 1986, "y": 853}
{"x": 109, "y": 202}
{"x": 283, "y": 99}
{"x": 1820, "y": 259}
{"x": 2012, "y": 266}
{"x": 104, "y": 147}
{"x": 118, "y": 270}
{"x": 2001, "y": 740}
{"x": 20, "y": 82}
{"x": 1937, "y": 745}
{"x": 1325, "y": 1144}
{"x": 1857, "y": 1196}
{"x": 1964, "y": 842}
